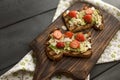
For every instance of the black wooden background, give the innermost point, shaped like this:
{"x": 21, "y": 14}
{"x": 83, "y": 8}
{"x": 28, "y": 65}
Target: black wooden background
{"x": 22, "y": 20}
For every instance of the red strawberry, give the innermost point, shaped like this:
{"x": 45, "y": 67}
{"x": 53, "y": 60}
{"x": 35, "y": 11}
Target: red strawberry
{"x": 57, "y": 34}
{"x": 80, "y": 37}
{"x": 69, "y": 34}
{"x": 75, "y": 44}
{"x": 72, "y": 14}
{"x": 88, "y": 18}
{"x": 60, "y": 45}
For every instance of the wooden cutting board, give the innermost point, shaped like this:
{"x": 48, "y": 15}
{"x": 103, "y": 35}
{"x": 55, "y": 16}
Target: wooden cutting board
{"x": 77, "y": 68}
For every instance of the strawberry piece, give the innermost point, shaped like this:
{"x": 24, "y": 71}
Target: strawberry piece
{"x": 80, "y": 37}
{"x": 88, "y": 18}
{"x": 57, "y": 34}
{"x": 75, "y": 44}
{"x": 89, "y": 11}
{"x": 69, "y": 34}
{"x": 72, "y": 14}
{"x": 60, "y": 45}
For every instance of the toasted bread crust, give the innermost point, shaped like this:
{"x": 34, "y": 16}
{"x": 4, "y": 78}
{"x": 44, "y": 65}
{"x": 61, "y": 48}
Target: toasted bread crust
{"x": 80, "y": 28}
{"x": 86, "y": 54}
{"x": 74, "y": 28}
{"x": 56, "y": 57}
{"x": 101, "y": 27}
{"x": 52, "y": 55}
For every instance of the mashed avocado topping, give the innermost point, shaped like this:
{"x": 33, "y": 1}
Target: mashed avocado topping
{"x": 84, "y": 46}
{"x": 96, "y": 18}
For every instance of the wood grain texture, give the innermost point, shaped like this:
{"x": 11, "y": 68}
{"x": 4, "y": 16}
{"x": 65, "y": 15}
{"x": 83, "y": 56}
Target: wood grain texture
{"x": 111, "y": 74}
{"x": 14, "y": 11}
{"x": 77, "y": 68}
{"x": 15, "y": 39}
{"x": 99, "y": 69}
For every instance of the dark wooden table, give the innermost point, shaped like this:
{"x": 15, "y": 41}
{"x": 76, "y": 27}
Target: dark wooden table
{"x": 22, "y": 20}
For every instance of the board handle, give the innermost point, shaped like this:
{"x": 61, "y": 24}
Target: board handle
{"x": 48, "y": 74}
{"x": 67, "y": 73}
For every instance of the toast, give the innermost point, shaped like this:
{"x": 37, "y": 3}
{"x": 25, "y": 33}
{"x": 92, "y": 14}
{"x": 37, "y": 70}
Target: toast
{"x": 88, "y": 17}
{"x": 68, "y": 44}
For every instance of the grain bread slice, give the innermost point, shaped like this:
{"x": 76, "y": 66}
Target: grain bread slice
{"x": 75, "y": 28}
{"x": 52, "y": 55}
{"x": 86, "y": 54}
{"x": 58, "y": 56}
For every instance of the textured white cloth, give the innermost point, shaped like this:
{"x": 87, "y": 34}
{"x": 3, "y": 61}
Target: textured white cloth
{"x": 25, "y": 68}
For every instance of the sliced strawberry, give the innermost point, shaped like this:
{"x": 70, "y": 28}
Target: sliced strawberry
{"x": 57, "y": 34}
{"x": 75, "y": 44}
{"x": 89, "y": 11}
{"x": 69, "y": 34}
{"x": 60, "y": 45}
{"x": 80, "y": 37}
{"x": 88, "y": 18}
{"x": 72, "y": 14}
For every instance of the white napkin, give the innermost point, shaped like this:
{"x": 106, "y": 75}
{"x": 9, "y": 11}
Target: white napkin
{"x": 25, "y": 68}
